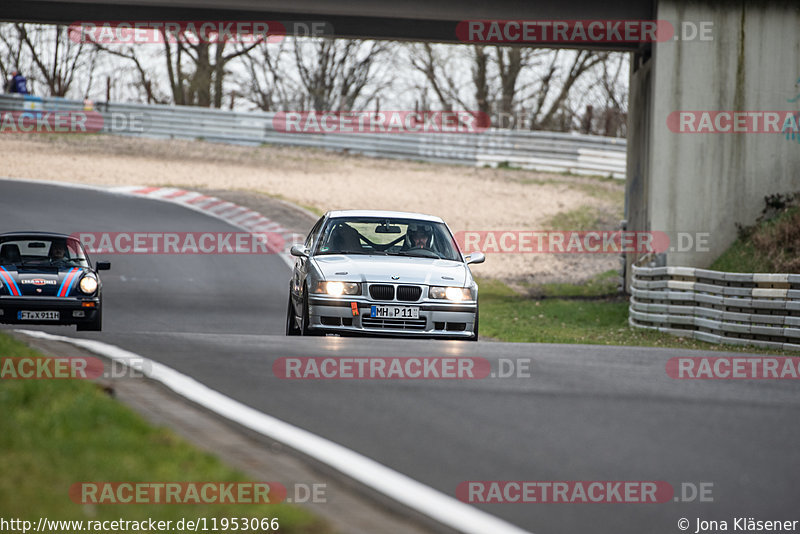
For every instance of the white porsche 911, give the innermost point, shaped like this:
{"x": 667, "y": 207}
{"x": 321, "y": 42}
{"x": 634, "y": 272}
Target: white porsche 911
{"x": 382, "y": 273}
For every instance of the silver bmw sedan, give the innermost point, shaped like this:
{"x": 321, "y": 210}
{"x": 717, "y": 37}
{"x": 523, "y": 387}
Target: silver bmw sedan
{"x": 382, "y": 273}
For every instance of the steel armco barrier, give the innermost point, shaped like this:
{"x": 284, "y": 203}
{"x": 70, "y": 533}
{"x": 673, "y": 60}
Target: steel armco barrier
{"x": 732, "y": 308}
{"x": 543, "y": 151}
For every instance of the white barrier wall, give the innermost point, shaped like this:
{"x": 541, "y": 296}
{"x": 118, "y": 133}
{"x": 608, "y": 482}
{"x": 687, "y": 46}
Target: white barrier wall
{"x": 544, "y": 151}
{"x": 732, "y": 308}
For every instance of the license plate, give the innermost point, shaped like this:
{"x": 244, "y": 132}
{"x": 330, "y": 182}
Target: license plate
{"x": 38, "y": 316}
{"x": 394, "y": 312}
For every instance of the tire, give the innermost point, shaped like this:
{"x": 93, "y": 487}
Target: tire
{"x": 304, "y": 326}
{"x": 94, "y": 326}
{"x": 475, "y": 328}
{"x": 291, "y": 324}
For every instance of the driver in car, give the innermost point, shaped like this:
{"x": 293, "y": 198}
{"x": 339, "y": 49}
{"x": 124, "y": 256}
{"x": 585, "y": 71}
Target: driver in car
{"x": 58, "y": 252}
{"x": 419, "y": 236}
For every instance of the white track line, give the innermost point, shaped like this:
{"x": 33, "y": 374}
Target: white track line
{"x": 403, "y": 489}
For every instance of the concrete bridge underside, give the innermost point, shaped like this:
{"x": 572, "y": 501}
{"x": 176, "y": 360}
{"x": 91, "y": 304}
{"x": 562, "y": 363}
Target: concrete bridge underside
{"x": 421, "y": 20}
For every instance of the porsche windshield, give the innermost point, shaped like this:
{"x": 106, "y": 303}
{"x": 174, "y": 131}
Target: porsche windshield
{"x": 41, "y": 251}
{"x": 393, "y": 237}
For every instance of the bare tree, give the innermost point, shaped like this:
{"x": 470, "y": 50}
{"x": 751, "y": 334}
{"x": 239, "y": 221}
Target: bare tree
{"x": 441, "y": 68}
{"x": 55, "y": 59}
{"x": 511, "y": 65}
{"x": 315, "y": 74}
{"x": 335, "y": 73}
{"x": 267, "y": 82}
{"x": 549, "y": 100}
{"x": 196, "y": 68}
{"x": 480, "y": 78}
{"x": 145, "y": 79}
{"x": 615, "y": 111}
{"x": 10, "y": 52}
{"x": 603, "y": 95}
{"x": 520, "y": 87}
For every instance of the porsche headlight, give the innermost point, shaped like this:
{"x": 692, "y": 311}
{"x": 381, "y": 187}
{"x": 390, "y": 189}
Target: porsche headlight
{"x": 337, "y": 289}
{"x": 88, "y": 284}
{"x": 456, "y": 294}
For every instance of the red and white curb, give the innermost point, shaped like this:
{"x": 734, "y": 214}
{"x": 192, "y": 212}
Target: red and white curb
{"x": 230, "y": 212}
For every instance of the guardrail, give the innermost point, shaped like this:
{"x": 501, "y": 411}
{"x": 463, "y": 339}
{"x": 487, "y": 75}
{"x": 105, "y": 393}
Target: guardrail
{"x": 543, "y": 151}
{"x": 732, "y": 308}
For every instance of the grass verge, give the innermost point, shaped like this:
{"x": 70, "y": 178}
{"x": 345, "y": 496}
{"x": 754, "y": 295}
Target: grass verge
{"x": 771, "y": 246}
{"x": 556, "y": 316}
{"x": 603, "y": 285}
{"x": 54, "y": 433}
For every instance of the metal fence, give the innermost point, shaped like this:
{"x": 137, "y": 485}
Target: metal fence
{"x": 733, "y": 308}
{"x": 543, "y": 151}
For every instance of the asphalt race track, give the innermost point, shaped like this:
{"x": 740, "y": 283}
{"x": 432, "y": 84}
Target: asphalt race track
{"x": 585, "y": 413}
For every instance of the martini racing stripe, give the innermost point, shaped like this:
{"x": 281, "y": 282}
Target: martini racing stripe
{"x": 13, "y": 288}
{"x": 68, "y": 282}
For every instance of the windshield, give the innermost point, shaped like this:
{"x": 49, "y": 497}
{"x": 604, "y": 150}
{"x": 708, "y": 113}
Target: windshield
{"x": 382, "y": 236}
{"x": 42, "y": 252}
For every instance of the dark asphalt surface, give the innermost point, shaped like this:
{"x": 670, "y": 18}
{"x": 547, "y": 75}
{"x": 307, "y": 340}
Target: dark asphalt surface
{"x": 586, "y": 412}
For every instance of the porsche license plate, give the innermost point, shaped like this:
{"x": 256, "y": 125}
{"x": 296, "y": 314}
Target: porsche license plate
{"x": 38, "y": 316}
{"x": 394, "y": 312}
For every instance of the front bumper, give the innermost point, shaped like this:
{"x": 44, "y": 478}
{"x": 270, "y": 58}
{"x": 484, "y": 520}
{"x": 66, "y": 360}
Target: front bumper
{"x": 436, "y": 318}
{"x": 69, "y": 309}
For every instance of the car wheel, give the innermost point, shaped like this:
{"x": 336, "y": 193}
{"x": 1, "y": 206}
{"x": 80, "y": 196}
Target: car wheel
{"x": 475, "y": 328}
{"x": 94, "y": 326}
{"x": 291, "y": 322}
{"x": 304, "y": 322}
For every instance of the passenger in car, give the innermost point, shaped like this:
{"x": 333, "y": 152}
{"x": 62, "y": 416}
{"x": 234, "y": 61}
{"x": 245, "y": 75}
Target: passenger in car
{"x": 345, "y": 238}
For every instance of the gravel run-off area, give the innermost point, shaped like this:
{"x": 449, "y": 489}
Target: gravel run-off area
{"x": 467, "y": 198}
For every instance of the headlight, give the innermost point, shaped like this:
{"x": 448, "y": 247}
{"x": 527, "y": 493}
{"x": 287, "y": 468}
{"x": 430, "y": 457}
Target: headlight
{"x": 88, "y": 284}
{"x": 456, "y": 294}
{"x": 337, "y": 289}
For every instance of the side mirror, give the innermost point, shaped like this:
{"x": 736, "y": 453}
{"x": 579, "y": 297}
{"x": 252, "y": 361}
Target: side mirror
{"x": 103, "y": 265}
{"x": 299, "y": 250}
{"x": 475, "y": 257}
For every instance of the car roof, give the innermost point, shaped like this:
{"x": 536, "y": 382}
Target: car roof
{"x": 383, "y": 213}
{"x": 37, "y": 234}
